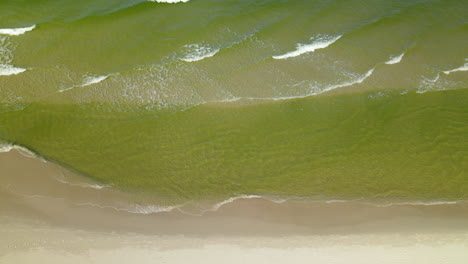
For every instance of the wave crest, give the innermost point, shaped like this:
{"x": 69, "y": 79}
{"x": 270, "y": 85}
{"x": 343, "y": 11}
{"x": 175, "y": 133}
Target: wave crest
{"x": 6, "y": 58}
{"x": 16, "y": 31}
{"x": 395, "y": 59}
{"x": 461, "y": 68}
{"x": 169, "y": 1}
{"x": 197, "y": 52}
{"x": 319, "y": 42}
{"x": 6, "y": 70}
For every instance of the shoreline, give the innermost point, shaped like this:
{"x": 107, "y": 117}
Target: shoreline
{"x": 37, "y": 226}
{"x": 85, "y": 181}
{"x": 339, "y": 148}
{"x": 66, "y": 204}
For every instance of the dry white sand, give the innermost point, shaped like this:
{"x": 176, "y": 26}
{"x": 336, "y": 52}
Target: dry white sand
{"x": 36, "y": 244}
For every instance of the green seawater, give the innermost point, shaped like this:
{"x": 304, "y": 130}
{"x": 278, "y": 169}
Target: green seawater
{"x": 353, "y": 146}
{"x": 211, "y": 99}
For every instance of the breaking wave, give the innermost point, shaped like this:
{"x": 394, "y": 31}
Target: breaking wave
{"x": 16, "y": 31}
{"x": 6, "y": 58}
{"x": 197, "y": 52}
{"x": 169, "y": 1}
{"x": 319, "y": 42}
{"x": 357, "y": 80}
{"x": 395, "y": 59}
{"x": 6, "y": 70}
{"x": 90, "y": 80}
{"x": 416, "y": 203}
{"x": 461, "y": 68}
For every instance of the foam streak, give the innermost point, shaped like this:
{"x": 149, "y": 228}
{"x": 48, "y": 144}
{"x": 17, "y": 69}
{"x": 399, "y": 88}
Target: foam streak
{"x": 395, "y": 59}
{"x": 86, "y": 82}
{"x": 198, "y": 52}
{"x": 6, "y": 70}
{"x": 169, "y": 1}
{"x": 16, "y": 31}
{"x": 320, "y": 42}
{"x": 461, "y": 68}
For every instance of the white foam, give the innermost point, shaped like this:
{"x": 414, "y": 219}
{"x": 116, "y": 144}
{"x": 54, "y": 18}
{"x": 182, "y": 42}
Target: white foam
{"x": 428, "y": 84}
{"x": 94, "y": 80}
{"x": 81, "y": 185}
{"x": 16, "y": 31}
{"x": 90, "y": 80}
{"x": 6, "y": 70}
{"x": 461, "y": 68}
{"x": 358, "y": 80}
{"x": 151, "y": 209}
{"x": 316, "y": 91}
{"x": 6, "y": 58}
{"x": 169, "y": 1}
{"x": 6, "y": 148}
{"x": 320, "y": 42}
{"x": 134, "y": 208}
{"x": 419, "y": 203}
{"x": 216, "y": 206}
{"x": 22, "y": 150}
{"x": 197, "y": 52}
{"x": 390, "y": 204}
{"x": 395, "y": 59}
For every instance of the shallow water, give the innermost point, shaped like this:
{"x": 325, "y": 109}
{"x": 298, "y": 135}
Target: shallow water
{"x": 379, "y": 145}
{"x": 205, "y": 50}
{"x": 208, "y": 100}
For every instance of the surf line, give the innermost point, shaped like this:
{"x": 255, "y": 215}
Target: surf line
{"x": 320, "y": 42}
{"x": 86, "y": 82}
{"x": 16, "y": 31}
{"x": 395, "y": 59}
{"x": 6, "y": 58}
{"x": 461, "y": 68}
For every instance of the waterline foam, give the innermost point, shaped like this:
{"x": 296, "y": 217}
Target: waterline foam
{"x": 6, "y": 58}
{"x": 22, "y": 150}
{"x": 314, "y": 90}
{"x": 81, "y": 185}
{"x": 134, "y": 208}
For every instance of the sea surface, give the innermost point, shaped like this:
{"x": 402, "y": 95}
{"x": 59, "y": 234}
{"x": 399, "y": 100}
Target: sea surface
{"x": 212, "y": 100}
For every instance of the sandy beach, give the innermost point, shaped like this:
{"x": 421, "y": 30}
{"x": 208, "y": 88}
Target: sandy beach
{"x": 65, "y": 217}
{"x": 210, "y": 131}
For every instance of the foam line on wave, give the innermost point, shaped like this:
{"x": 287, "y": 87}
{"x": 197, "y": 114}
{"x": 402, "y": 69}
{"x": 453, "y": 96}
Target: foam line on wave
{"x": 169, "y": 1}
{"x": 16, "y": 31}
{"x": 318, "y": 42}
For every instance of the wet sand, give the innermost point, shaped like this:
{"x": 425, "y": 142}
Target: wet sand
{"x": 49, "y": 212}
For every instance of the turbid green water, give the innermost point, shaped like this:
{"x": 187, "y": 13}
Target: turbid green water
{"x": 208, "y": 99}
{"x": 361, "y": 145}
